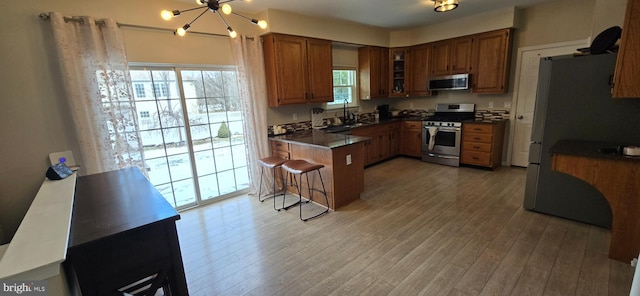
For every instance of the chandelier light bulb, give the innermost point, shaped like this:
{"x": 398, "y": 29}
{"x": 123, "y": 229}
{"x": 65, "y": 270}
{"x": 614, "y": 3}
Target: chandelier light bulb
{"x": 200, "y": 2}
{"x": 232, "y": 33}
{"x": 182, "y": 31}
{"x": 226, "y": 9}
{"x": 262, "y": 24}
{"x": 166, "y": 15}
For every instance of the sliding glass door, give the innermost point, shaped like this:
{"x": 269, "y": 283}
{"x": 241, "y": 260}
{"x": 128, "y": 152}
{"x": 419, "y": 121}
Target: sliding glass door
{"x": 192, "y": 131}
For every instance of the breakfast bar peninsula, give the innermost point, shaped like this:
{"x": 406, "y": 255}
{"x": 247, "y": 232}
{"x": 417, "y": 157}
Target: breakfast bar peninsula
{"x": 342, "y": 156}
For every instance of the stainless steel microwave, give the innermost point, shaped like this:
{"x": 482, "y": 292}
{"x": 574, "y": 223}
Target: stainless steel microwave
{"x": 449, "y": 82}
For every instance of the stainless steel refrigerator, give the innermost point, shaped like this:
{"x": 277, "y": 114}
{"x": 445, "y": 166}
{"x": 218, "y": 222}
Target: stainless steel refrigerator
{"x": 574, "y": 102}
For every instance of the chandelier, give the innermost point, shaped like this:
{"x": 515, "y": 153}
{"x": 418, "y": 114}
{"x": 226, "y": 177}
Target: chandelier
{"x": 214, "y": 6}
{"x": 445, "y": 5}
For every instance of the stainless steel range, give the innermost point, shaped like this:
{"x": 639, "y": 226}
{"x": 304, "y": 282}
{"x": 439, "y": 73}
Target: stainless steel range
{"x": 442, "y": 132}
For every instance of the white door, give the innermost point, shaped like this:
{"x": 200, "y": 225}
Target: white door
{"x": 526, "y": 87}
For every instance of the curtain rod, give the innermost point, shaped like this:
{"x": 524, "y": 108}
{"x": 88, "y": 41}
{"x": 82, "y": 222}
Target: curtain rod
{"x": 45, "y": 17}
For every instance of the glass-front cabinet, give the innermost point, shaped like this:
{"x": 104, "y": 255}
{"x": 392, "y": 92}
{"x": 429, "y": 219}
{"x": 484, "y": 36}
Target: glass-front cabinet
{"x": 398, "y": 72}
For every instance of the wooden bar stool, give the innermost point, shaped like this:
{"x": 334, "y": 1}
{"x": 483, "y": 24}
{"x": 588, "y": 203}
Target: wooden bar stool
{"x": 271, "y": 162}
{"x": 300, "y": 167}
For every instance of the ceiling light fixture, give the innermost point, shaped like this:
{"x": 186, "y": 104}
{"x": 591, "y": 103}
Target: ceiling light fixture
{"x": 445, "y": 5}
{"x": 214, "y": 6}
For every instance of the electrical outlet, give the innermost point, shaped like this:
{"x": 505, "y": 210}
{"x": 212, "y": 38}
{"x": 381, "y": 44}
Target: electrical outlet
{"x": 507, "y": 104}
{"x": 490, "y": 105}
{"x": 348, "y": 159}
{"x": 295, "y": 116}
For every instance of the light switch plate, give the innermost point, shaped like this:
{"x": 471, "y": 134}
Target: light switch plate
{"x": 348, "y": 159}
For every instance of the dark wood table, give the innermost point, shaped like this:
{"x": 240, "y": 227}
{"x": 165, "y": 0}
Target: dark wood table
{"x": 123, "y": 237}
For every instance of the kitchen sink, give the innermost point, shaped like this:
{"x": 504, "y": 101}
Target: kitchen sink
{"x": 342, "y": 128}
{"x": 337, "y": 129}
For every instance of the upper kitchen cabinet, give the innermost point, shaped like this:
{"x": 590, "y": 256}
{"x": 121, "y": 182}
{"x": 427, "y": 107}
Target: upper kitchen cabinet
{"x": 490, "y": 62}
{"x": 398, "y": 72}
{"x": 451, "y": 56}
{"x": 628, "y": 64}
{"x": 418, "y": 70}
{"x": 373, "y": 68}
{"x": 298, "y": 69}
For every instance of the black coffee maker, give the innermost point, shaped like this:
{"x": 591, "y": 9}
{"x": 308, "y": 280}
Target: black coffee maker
{"x": 383, "y": 111}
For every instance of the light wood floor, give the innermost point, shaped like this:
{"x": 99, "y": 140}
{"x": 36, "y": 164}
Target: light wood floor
{"x": 418, "y": 229}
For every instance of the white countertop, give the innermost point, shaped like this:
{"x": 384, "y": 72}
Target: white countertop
{"x": 40, "y": 243}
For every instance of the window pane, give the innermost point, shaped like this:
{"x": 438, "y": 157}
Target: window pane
{"x": 227, "y": 182}
{"x": 170, "y": 113}
{"x": 209, "y": 186}
{"x": 164, "y": 84}
{"x": 185, "y": 192}
{"x": 158, "y": 170}
{"x": 192, "y": 84}
{"x": 151, "y": 120}
{"x": 205, "y": 163}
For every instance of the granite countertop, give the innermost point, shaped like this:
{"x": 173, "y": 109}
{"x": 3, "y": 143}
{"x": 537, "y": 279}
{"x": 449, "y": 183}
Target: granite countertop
{"x": 490, "y": 121}
{"x": 324, "y": 139}
{"x": 592, "y": 149}
{"x": 320, "y": 139}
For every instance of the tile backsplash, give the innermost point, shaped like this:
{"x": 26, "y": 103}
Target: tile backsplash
{"x": 370, "y": 116}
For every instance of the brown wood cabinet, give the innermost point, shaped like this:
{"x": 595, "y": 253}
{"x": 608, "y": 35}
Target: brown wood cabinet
{"x": 482, "y": 144}
{"x": 372, "y": 146}
{"x": 411, "y": 138}
{"x": 389, "y": 135}
{"x": 491, "y": 55}
{"x": 418, "y": 70}
{"x": 628, "y": 64}
{"x": 384, "y": 143}
{"x": 398, "y": 72}
{"x": 298, "y": 69}
{"x": 373, "y": 70}
{"x": 451, "y": 56}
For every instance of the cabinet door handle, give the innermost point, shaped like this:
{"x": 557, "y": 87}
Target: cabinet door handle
{"x": 476, "y": 138}
{"x": 476, "y": 147}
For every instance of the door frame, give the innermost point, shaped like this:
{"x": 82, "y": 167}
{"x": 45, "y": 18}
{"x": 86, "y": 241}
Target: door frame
{"x": 514, "y": 105}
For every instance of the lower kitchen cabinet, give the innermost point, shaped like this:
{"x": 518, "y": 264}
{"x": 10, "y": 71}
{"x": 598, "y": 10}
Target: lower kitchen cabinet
{"x": 372, "y": 146}
{"x": 482, "y": 143}
{"x": 384, "y": 142}
{"x": 411, "y": 138}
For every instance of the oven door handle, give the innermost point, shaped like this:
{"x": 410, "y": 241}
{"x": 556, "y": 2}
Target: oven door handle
{"x": 442, "y": 156}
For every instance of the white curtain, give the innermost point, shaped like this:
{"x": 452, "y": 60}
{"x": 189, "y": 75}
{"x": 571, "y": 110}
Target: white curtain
{"x": 247, "y": 53}
{"x": 98, "y": 87}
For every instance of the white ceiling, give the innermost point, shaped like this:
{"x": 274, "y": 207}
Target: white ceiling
{"x": 391, "y": 14}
